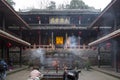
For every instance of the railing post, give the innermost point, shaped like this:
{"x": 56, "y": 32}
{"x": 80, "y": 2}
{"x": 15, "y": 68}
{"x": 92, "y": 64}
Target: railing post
{"x": 83, "y": 46}
{"x": 34, "y": 46}
{"x": 66, "y": 39}
{"x": 52, "y": 38}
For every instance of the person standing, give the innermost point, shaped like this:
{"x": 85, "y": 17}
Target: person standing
{"x": 65, "y": 72}
{"x": 35, "y": 74}
{"x": 3, "y": 69}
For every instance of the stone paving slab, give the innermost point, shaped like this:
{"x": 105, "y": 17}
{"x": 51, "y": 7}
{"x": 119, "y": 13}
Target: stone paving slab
{"x": 17, "y": 70}
{"x": 84, "y": 75}
{"x": 107, "y": 71}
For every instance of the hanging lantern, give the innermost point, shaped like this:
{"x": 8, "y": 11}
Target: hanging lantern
{"x": 97, "y": 29}
{"x": 38, "y": 17}
{"x": 9, "y": 44}
{"x": 79, "y": 17}
{"x": 94, "y": 48}
{"x": 108, "y": 45}
{"x": 79, "y": 32}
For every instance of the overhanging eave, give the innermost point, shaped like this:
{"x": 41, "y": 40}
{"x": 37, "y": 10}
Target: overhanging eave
{"x": 105, "y": 38}
{"x": 11, "y": 15}
{"x": 13, "y": 38}
{"x": 98, "y": 20}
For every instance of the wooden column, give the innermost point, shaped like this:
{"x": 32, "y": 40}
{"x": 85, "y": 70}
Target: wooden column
{"x": 66, "y": 36}
{"x": 3, "y": 22}
{"x": 115, "y": 50}
{"x": 52, "y": 36}
{"x": 20, "y": 57}
{"x": 39, "y": 38}
{"x": 2, "y": 49}
{"x": 99, "y": 57}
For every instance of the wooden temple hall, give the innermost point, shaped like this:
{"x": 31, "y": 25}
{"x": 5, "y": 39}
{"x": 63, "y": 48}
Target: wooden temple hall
{"x": 108, "y": 40}
{"x": 61, "y": 29}
{"x": 9, "y": 40}
{"x": 56, "y": 28}
{"x": 43, "y": 29}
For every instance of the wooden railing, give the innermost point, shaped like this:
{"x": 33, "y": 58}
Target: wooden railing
{"x": 52, "y": 47}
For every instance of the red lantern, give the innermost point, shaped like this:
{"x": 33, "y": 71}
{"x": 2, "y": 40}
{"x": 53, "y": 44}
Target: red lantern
{"x": 79, "y": 17}
{"x": 97, "y": 29}
{"x": 108, "y": 45}
{"x": 80, "y": 33}
{"x": 94, "y": 48}
{"x": 38, "y": 17}
{"x": 9, "y": 44}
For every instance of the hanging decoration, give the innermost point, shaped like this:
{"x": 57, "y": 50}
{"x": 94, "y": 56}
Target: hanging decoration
{"x": 108, "y": 45}
{"x": 8, "y": 44}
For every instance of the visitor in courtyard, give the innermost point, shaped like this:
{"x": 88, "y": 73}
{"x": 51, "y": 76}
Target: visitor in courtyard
{"x": 35, "y": 74}
{"x": 3, "y": 69}
{"x": 65, "y": 72}
{"x": 57, "y": 68}
{"x": 56, "y": 65}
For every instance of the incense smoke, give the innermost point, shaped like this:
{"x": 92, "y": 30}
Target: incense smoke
{"x": 38, "y": 53}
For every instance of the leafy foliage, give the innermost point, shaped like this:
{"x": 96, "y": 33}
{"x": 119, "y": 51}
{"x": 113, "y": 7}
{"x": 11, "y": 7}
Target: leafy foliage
{"x": 11, "y": 2}
{"x": 52, "y": 5}
{"x": 75, "y": 4}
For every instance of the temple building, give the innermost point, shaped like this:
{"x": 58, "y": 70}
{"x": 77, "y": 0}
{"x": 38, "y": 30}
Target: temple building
{"x": 54, "y": 29}
{"x": 59, "y": 31}
{"x": 108, "y": 40}
{"x": 10, "y": 18}
{"x": 58, "y": 27}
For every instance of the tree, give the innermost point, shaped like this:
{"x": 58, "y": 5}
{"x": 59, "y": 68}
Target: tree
{"x": 67, "y": 6}
{"x": 52, "y": 5}
{"x": 42, "y": 3}
{"x": 78, "y": 4}
{"x": 11, "y": 2}
{"x": 61, "y": 6}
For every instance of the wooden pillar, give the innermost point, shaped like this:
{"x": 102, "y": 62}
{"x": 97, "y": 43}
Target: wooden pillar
{"x": 30, "y": 39}
{"x": 3, "y": 22}
{"x": 20, "y": 28}
{"x": 52, "y": 35}
{"x": 99, "y": 59}
{"x": 20, "y": 57}
{"x": 39, "y": 38}
{"x": 3, "y": 49}
{"x": 66, "y": 36}
{"x": 7, "y": 54}
{"x": 115, "y": 50}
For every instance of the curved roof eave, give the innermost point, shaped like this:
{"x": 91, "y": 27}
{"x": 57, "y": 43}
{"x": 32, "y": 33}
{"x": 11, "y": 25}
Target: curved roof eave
{"x": 15, "y": 14}
{"x": 107, "y": 37}
{"x": 102, "y": 13}
{"x": 13, "y": 38}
